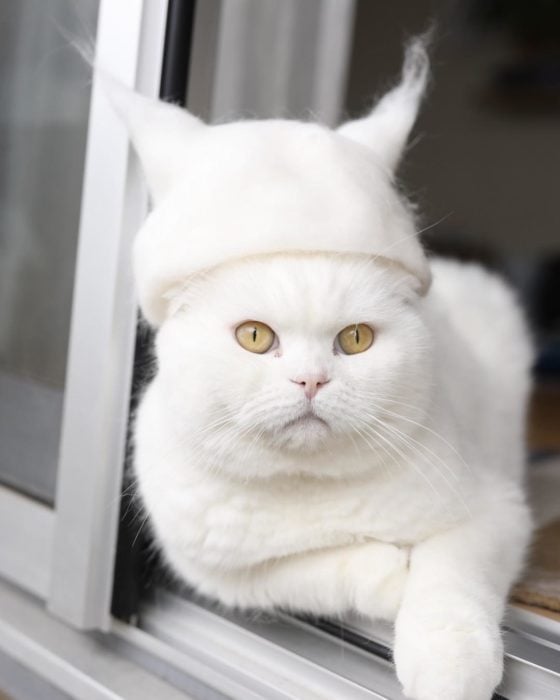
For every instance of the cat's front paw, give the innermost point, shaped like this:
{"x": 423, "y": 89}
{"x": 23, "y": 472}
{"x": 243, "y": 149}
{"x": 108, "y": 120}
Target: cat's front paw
{"x": 447, "y": 654}
{"x": 380, "y": 571}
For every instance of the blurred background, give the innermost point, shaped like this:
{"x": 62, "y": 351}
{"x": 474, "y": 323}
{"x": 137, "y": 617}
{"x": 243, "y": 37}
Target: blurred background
{"x": 44, "y": 106}
{"x": 484, "y": 161}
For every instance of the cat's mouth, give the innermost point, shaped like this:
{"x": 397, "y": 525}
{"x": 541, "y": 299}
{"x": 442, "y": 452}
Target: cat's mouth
{"x": 304, "y": 433}
{"x": 309, "y": 418}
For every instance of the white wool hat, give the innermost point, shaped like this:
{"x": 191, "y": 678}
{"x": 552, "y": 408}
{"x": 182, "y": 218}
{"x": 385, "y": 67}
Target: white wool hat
{"x": 225, "y": 192}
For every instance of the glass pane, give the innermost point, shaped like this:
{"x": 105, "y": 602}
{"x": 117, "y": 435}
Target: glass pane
{"x": 44, "y": 104}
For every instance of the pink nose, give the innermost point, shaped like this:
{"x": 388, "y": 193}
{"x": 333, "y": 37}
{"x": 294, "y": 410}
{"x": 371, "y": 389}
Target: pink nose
{"x": 311, "y": 383}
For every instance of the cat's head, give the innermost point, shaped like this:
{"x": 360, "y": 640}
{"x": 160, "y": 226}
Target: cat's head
{"x": 298, "y": 232}
{"x": 224, "y": 192}
{"x": 272, "y": 358}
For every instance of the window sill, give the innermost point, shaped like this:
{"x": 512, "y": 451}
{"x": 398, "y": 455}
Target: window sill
{"x": 40, "y": 653}
{"x": 183, "y": 650}
{"x": 286, "y": 657}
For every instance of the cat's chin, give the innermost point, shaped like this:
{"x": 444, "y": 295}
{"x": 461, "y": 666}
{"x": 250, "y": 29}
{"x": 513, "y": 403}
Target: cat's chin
{"x": 307, "y": 433}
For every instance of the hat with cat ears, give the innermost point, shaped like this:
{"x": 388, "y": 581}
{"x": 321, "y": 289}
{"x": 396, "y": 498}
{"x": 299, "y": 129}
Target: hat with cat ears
{"x": 164, "y": 137}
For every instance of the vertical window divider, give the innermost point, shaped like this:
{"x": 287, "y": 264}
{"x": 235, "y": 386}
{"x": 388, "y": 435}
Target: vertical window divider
{"x": 129, "y": 45}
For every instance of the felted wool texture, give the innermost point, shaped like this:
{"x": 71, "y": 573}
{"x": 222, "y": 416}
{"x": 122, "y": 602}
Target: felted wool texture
{"x": 228, "y": 191}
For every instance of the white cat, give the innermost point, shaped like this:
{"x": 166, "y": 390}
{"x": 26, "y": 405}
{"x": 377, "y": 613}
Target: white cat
{"x": 336, "y": 423}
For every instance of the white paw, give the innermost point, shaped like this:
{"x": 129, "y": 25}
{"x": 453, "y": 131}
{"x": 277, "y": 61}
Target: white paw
{"x": 447, "y": 654}
{"x": 381, "y": 572}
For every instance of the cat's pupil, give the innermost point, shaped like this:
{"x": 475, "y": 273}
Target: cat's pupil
{"x": 254, "y": 335}
{"x": 357, "y": 335}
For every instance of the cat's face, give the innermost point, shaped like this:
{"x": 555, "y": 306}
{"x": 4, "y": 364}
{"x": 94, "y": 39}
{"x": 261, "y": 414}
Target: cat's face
{"x": 308, "y": 392}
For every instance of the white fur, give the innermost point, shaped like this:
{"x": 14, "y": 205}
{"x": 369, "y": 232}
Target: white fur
{"x": 244, "y": 188}
{"x": 402, "y": 498}
{"x": 395, "y": 114}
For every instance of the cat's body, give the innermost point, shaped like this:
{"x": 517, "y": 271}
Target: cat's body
{"x": 474, "y": 416}
{"x": 383, "y": 477}
{"x": 318, "y": 541}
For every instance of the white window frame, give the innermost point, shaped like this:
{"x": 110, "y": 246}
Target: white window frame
{"x": 305, "y": 657}
{"x": 65, "y": 555}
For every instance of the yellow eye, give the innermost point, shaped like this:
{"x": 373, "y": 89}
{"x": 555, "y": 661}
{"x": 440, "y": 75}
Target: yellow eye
{"x": 255, "y": 336}
{"x": 355, "y": 338}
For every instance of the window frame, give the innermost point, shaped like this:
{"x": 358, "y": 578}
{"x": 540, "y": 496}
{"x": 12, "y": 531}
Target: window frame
{"x": 299, "y": 656}
{"x": 65, "y": 554}
{"x": 27, "y": 528}
{"x": 129, "y": 44}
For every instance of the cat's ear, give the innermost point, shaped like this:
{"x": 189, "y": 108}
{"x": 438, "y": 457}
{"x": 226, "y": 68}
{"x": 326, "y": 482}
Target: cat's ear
{"x": 385, "y": 130}
{"x": 160, "y": 133}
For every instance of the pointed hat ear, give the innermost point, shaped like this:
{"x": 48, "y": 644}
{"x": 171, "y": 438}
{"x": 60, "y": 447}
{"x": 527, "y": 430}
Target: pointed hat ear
{"x": 160, "y": 133}
{"x": 385, "y": 130}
